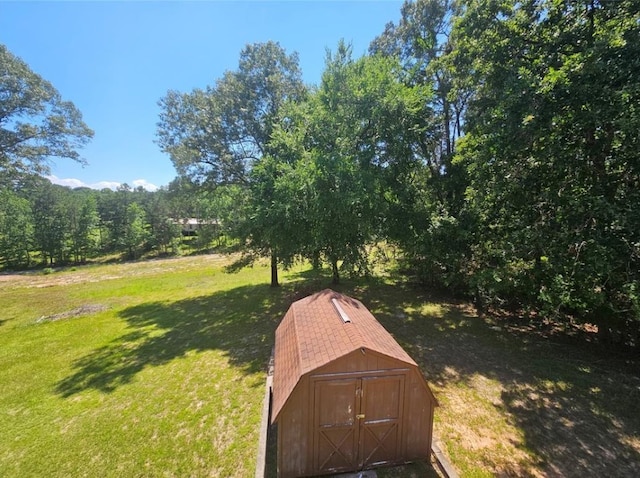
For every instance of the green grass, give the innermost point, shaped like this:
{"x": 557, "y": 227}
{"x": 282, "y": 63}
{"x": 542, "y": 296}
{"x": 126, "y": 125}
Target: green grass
{"x": 157, "y": 368}
{"x": 515, "y": 403}
{"x": 165, "y": 381}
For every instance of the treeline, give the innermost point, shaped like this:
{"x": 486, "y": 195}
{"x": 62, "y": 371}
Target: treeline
{"x": 495, "y": 142}
{"x": 46, "y": 224}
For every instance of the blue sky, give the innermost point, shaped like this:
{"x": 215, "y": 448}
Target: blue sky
{"x": 115, "y": 60}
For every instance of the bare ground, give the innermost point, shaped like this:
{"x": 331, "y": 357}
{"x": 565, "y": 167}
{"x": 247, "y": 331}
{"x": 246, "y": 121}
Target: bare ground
{"x": 82, "y": 274}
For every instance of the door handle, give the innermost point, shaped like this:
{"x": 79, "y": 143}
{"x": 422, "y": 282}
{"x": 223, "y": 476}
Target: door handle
{"x": 360, "y": 417}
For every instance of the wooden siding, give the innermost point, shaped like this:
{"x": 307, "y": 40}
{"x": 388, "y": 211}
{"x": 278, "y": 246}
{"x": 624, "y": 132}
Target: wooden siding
{"x": 396, "y": 432}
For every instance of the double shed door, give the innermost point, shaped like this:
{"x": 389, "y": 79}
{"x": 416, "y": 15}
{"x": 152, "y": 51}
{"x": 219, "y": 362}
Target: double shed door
{"x": 357, "y": 422}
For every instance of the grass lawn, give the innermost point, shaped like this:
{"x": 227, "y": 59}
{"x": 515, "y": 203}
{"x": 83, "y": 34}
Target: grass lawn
{"x": 157, "y": 369}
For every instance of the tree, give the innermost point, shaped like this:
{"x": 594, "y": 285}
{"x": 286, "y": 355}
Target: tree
{"x": 164, "y": 233}
{"x": 50, "y": 221}
{"x": 277, "y": 211}
{"x": 82, "y": 215}
{"x": 16, "y": 229}
{"x": 422, "y": 42}
{"x": 35, "y": 123}
{"x": 134, "y": 233}
{"x": 112, "y": 209}
{"x": 552, "y": 154}
{"x": 217, "y": 135}
{"x": 361, "y": 124}
{"x": 427, "y": 218}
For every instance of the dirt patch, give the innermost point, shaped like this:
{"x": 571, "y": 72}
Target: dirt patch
{"x": 16, "y": 276}
{"x": 92, "y": 273}
{"x": 9, "y": 277}
{"x": 87, "y": 309}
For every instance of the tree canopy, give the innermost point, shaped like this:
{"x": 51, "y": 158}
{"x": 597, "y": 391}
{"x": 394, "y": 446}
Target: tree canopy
{"x": 552, "y": 154}
{"x": 363, "y": 125}
{"x": 36, "y": 124}
{"x": 493, "y": 143}
{"x": 218, "y": 135}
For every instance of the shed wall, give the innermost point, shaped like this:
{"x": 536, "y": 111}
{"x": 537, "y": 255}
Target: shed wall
{"x": 419, "y": 417}
{"x": 294, "y": 447}
{"x": 295, "y": 423}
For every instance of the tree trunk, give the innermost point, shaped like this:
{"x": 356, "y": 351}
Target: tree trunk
{"x": 274, "y": 270}
{"x": 336, "y": 275}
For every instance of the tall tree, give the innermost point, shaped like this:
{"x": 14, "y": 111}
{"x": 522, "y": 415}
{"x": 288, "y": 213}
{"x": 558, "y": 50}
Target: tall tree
{"x": 164, "y": 233}
{"x": 112, "y": 210}
{"x": 360, "y": 125}
{"x": 16, "y": 229}
{"x": 277, "y": 211}
{"x": 427, "y": 218}
{"x": 35, "y": 123}
{"x": 50, "y": 222}
{"x": 217, "y": 135}
{"x": 134, "y": 232}
{"x": 421, "y": 41}
{"x": 82, "y": 216}
{"x": 552, "y": 153}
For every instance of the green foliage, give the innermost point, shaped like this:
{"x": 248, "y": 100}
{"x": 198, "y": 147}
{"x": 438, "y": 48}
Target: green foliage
{"x": 35, "y": 123}
{"x": 552, "y": 153}
{"x": 278, "y": 218}
{"x": 217, "y": 136}
{"x": 536, "y": 206}
{"x": 134, "y": 232}
{"x": 338, "y": 152}
{"x": 50, "y": 222}
{"x": 63, "y": 225}
{"x": 164, "y": 233}
{"x": 16, "y": 229}
{"x": 83, "y": 219}
{"x": 426, "y": 190}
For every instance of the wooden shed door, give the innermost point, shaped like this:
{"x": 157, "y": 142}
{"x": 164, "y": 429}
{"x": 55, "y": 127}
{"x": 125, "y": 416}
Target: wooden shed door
{"x": 336, "y": 433}
{"x": 357, "y": 422}
{"x": 381, "y": 405}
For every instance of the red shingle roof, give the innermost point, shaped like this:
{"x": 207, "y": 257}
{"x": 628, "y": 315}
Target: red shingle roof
{"x": 312, "y": 334}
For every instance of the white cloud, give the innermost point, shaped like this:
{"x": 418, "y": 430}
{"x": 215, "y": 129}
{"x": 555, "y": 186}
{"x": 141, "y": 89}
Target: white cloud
{"x": 77, "y": 183}
{"x": 70, "y": 182}
{"x": 104, "y": 185}
{"x": 145, "y": 184}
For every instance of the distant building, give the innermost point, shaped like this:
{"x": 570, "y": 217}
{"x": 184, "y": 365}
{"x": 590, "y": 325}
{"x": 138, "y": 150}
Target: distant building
{"x": 190, "y": 226}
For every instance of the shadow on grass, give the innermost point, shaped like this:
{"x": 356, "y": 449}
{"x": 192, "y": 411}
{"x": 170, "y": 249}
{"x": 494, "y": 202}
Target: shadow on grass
{"x": 576, "y": 406}
{"x": 577, "y": 410}
{"x": 241, "y": 322}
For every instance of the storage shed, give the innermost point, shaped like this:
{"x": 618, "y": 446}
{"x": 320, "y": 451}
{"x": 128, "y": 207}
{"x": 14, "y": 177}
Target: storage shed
{"x": 346, "y": 396}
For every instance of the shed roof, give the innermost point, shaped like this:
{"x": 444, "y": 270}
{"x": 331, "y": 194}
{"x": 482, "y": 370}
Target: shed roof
{"x": 313, "y": 334}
